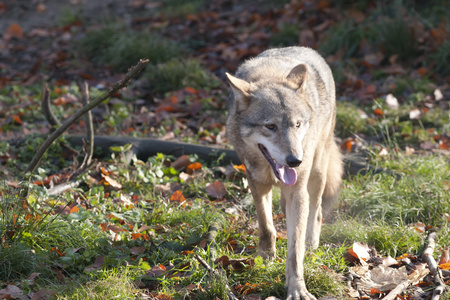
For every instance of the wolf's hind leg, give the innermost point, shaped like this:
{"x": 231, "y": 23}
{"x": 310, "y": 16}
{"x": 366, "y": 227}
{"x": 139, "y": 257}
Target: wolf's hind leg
{"x": 262, "y": 194}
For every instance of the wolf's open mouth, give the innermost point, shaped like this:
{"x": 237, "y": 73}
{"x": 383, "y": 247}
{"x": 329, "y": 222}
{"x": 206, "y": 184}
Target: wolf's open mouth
{"x": 285, "y": 174}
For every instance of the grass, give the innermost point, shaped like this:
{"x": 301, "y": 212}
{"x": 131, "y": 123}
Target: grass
{"x": 113, "y": 284}
{"x": 441, "y": 58}
{"x": 176, "y": 74}
{"x": 120, "y": 48}
{"x": 286, "y": 36}
{"x": 375, "y": 208}
{"x": 180, "y": 8}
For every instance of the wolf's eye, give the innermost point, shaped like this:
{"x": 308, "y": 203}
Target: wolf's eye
{"x": 272, "y": 127}
{"x": 298, "y": 124}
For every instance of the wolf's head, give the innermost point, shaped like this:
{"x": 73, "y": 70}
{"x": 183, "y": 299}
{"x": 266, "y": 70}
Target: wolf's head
{"x": 273, "y": 117}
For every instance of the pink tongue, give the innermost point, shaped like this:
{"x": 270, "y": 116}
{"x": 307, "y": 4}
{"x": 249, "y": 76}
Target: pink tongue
{"x": 287, "y": 175}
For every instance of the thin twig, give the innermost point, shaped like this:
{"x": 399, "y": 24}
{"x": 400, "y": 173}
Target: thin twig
{"x": 122, "y": 83}
{"x": 46, "y": 107}
{"x": 215, "y": 272}
{"x": 84, "y": 88}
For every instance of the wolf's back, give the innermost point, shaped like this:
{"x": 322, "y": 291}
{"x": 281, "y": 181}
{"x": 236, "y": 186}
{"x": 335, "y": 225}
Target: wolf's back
{"x": 277, "y": 63}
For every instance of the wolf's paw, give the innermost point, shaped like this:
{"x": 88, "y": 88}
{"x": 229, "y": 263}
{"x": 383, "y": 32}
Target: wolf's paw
{"x": 299, "y": 292}
{"x": 267, "y": 255}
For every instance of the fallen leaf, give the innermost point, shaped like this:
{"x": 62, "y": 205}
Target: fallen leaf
{"x": 163, "y": 297}
{"x": 111, "y": 182}
{"x": 190, "y": 169}
{"x": 156, "y": 271}
{"x": 98, "y": 264}
{"x": 41, "y": 7}
{"x": 383, "y": 152}
{"x": 13, "y": 31}
{"x": 177, "y": 196}
{"x": 445, "y": 256}
{"x": 11, "y": 292}
{"x": 360, "y": 251}
{"x": 43, "y": 295}
{"x": 74, "y": 209}
{"x": 391, "y": 101}
{"x": 422, "y": 71}
{"x": 30, "y": 279}
{"x": 137, "y": 250}
{"x": 438, "y": 95}
{"x": 378, "y": 112}
{"x": 216, "y": 190}
{"x": 181, "y": 162}
{"x": 240, "y": 168}
{"x": 415, "y": 114}
{"x": 112, "y": 227}
{"x": 409, "y": 150}
{"x": 16, "y": 119}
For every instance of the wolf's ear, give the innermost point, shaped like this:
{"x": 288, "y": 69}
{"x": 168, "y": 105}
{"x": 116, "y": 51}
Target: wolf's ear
{"x": 297, "y": 76}
{"x": 241, "y": 90}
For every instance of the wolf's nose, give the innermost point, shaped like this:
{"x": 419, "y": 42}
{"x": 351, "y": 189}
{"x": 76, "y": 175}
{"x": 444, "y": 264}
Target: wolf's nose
{"x": 293, "y": 161}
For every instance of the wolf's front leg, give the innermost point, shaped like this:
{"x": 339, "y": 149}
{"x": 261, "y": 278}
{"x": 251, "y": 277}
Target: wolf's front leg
{"x": 297, "y": 209}
{"x": 262, "y": 194}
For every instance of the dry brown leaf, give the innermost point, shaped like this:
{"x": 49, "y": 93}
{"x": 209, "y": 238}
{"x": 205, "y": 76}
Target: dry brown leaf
{"x": 216, "y": 189}
{"x": 156, "y": 271}
{"x": 360, "y": 251}
{"x": 11, "y": 292}
{"x": 181, "y": 162}
{"x": 13, "y": 31}
{"x": 112, "y": 182}
{"x": 43, "y": 295}
{"x": 137, "y": 250}
{"x": 98, "y": 264}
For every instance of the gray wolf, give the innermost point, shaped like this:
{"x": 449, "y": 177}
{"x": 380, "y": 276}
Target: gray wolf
{"x": 281, "y": 122}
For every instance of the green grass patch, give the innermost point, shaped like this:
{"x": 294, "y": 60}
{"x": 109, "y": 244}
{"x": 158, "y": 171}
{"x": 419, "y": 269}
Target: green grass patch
{"x": 349, "y": 120}
{"x": 177, "y": 73}
{"x": 113, "y": 284}
{"x": 287, "y": 35}
{"x": 121, "y": 48}
{"x": 418, "y": 193}
{"x": 180, "y": 8}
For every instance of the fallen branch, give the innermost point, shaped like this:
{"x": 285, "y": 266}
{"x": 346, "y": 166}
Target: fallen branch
{"x": 143, "y": 148}
{"x": 61, "y": 188}
{"x": 210, "y": 240}
{"x": 433, "y": 266}
{"x": 60, "y": 130}
{"x": 215, "y": 272}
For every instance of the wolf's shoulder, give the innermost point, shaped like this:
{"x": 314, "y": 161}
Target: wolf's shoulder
{"x": 287, "y": 52}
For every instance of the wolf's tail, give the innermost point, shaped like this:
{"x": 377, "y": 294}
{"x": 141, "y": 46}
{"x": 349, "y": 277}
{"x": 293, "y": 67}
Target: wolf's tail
{"x": 334, "y": 177}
